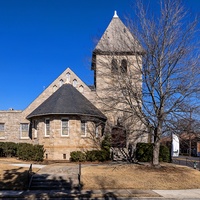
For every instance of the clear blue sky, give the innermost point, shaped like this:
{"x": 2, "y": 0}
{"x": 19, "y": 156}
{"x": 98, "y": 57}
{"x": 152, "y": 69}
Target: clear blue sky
{"x": 39, "y": 39}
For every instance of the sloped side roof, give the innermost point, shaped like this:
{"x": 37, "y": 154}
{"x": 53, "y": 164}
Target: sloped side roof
{"x": 67, "y": 100}
{"x": 117, "y": 38}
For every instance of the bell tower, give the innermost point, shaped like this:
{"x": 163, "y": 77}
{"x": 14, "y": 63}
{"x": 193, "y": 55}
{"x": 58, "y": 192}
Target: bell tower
{"x": 113, "y": 60}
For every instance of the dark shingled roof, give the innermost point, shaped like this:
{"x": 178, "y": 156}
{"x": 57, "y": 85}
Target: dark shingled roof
{"x": 67, "y": 100}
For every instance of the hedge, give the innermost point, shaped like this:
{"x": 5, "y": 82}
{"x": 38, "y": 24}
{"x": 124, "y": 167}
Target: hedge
{"x": 144, "y": 152}
{"x": 76, "y": 156}
{"x": 93, "y": 155}
{"x": 8, "y": 149}
{"x": 23, "y": 151}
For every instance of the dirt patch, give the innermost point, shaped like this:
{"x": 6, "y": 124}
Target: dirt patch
{"x": 132, "y": 176}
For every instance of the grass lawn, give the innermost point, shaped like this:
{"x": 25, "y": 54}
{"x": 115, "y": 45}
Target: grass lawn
{"x": 111, "y": 176}
{"x": 169, "y": 176}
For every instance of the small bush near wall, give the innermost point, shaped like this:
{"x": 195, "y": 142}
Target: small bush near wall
{"x": 23, "y": 151}
{"x": 77, "y": 156}
{"x": 144, "y": 152}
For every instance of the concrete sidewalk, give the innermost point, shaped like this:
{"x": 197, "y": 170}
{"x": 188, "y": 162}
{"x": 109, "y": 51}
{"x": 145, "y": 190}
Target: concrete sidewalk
{"x": 103, "y": 194}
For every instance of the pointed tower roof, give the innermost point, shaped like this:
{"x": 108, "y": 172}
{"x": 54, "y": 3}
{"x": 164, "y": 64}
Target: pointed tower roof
{"x": 67, "y": 100}
{"x": 117, "y": 39}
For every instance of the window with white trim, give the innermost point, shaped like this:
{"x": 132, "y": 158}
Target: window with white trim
{"x": 64, "y": 127}
{"x": 83, "y": 128}
{"x": 47, "y": 127}
{"x": 2, "y": 131}
{"x": 24, "y": 131}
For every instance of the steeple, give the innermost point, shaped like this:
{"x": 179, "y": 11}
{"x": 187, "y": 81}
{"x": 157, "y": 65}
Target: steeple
{"x": 117, "y": 38}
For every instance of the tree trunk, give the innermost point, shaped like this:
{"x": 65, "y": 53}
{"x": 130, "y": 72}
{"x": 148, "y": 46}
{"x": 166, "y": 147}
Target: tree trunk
{"x": 156, "y": 149}
{"x": 156, "y": 146}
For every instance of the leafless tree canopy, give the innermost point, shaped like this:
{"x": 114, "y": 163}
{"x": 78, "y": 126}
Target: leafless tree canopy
{"x": 160, "y": 72}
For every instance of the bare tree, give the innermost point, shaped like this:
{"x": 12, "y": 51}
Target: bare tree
{"x": 160, "y": 73}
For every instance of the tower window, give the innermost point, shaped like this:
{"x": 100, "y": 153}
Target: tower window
{"x": 114, "y": 67}
{"x": 124, "y": 66}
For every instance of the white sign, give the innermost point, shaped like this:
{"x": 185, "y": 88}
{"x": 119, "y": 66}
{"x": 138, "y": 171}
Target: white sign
{"x": 175, "y": 146}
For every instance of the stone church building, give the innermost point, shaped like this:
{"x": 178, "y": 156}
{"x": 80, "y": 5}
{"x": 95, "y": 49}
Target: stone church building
{"x": 69, "y": 115}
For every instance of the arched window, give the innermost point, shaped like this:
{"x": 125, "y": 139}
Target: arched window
{"x": 61, "y": 82}
{"x": 81, "y": 88}
{"x": 114, "y": 67}
{"x": 54, "y": 88}
{"x": 74, "y": 82}
{"x": 68, "y": 77}
{"x": 124, "y": 66}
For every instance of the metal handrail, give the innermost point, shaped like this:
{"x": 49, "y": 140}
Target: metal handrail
{"x": 30, "y": 174}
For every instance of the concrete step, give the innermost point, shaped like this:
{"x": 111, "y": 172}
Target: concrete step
{"x": 54, "y": 183}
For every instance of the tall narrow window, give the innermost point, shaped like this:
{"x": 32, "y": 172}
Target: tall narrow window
{"x": 35, "y": 128}
{"x": 114, "y": 67}
{"x": 81, "y": 88}
{"x": 124, "y": 66}
{"x": 97, "y": 131}
{"x": 74, "y": 82}
{"x": 65, "y": 127}
{"x": 24, "y": 131}
{"x": 47, "y": 127}
{"x": 83, "y": 128}
{"x": 54, "y": 88}
{"x": 2, "y": 130}
{"x": 61, "y": 82}
{"x": 68, "y": 77}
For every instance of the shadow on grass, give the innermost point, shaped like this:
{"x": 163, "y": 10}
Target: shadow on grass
{"x": 14, "y": 179}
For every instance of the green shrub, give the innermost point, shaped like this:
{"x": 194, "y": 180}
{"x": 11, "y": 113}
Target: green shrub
{"x": 164, "y": 154}
{"x": 23, "y": 151}
{"x": 27, "y": 151}
{"x": 8, "y": 149}
{"x": 144, "y": 152}
{"x": 105, "y": 146}
{"x": 97, "y": 155}
{"x": 76, "y": 156}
